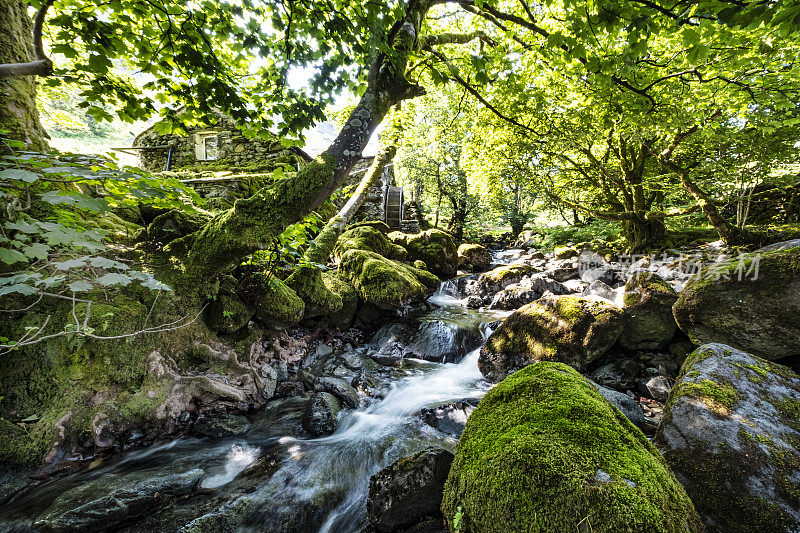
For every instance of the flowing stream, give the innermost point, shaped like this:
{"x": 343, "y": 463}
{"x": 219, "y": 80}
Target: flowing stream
{"x": 269, "y": 478}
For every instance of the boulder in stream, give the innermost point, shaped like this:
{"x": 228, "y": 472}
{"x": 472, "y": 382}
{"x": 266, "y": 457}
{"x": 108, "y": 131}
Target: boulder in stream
{"x": 648, "y": 301}
{"x": 731, "y": 434}
{"x": 567, "y": 329}
{"x": 321, "y": 414}
{"x": 473, "y": 257}
{"x": 544, "y": 451}
{"x": 103, "y": 504}
{"x": 385, "y": 283}
{"x": 434, "y": 247}
{"x": 409, "y": 491}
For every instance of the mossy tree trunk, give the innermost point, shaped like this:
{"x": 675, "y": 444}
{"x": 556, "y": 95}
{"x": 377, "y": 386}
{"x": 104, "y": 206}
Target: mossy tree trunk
{"x": 322, "y": 247}
{"x": 645, "y": 232}
{"x": 254, "y": 222}
{"x": 18, "y": 113}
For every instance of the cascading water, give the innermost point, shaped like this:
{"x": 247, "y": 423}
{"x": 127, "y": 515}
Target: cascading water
{"x": 316, "y": 484}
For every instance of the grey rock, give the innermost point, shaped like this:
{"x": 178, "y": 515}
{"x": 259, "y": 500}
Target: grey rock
{"x": 409, "y": 491}
{"x": 730, "y": 434}
{"x": 339, "y": 388}
{"x": 321, "y": 414}
{"x": 449, "y": 418}
{"x": 600, "y": 289}
{"x": 103, "y": 504}
{"x": 626, "y": 405}
{"x": 658, "y": 388}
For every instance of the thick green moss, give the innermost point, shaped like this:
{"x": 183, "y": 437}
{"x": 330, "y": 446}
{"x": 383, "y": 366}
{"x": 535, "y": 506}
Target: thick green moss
{"x": 435, "y": 247}
{"x": 253, "y": 222}
{"x": 387, "y": 284}
{"x": 338, "y": 285}
{"x": 369, "y": 239}
{"x": 567, "y": 329}
{"x": 273, "y": 301}
{"x": 307, "y": 283}
{"x": 545, "y": 452}
{"x": 65, "y": 385}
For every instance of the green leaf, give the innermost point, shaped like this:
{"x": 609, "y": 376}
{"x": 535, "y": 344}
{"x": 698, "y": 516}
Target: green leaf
{"x": 37, "y": 251}
{"x": 23, "y": 226}
{"x": 72, "y": 263}
{"x": 114, "y": 279}
{"x": 18, "y": 174}
{"x": 20, "y": 288}
{"x": 10, "y": 257}
{"x": 80, "y": 286}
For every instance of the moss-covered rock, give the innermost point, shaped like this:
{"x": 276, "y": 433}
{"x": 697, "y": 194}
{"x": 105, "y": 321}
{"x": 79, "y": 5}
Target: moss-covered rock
{"x": 567, "y": 329}
{"x": 308, "y": 284}
{"x": 731, "y": 433}
{"x": 435, "y": 247}
{"x": 273, "y": 301}
{"x": 501, "y": 277}
{"x": 227, "y": 313}
{"x": 566, "y": 252}
{"x": 473, "y": 257}
{"x": 385, "y": 283}
{"x": 369, "y": 239}
{"x": 751, "y": 303}
{"x": 336, "y": 283}
{"x": 544, "y": 452}
{"x": 648, "y": 301}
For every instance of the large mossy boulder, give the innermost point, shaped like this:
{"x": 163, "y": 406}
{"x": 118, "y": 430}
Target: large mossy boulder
{"x": 385, "y": 283}
{"x": 409, "y": 491}
{"x": 336, "y": 283}
{"x": 731, "y": 434}
{"x": 473, "y": 257}
{"x": 370, "y": 239}
{"x": 648, "y": 301}
{"x": 434, "y": 247}
{"x": 751, "y": 303}
{"x": 307, "y": 282}
{"x": 566, "y": 329}
{"x": 544, "y": 452}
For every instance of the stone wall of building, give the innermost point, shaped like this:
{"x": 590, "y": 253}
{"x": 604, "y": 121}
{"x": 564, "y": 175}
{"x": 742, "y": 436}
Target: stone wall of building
{"x": 233, "y": 149}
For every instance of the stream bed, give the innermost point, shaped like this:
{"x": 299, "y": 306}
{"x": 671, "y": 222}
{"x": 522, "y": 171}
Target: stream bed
{"x": 271, "y": 476}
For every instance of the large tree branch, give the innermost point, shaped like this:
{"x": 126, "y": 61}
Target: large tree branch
{"x": 474, "y": 92}
{"x": 41, "y": 65}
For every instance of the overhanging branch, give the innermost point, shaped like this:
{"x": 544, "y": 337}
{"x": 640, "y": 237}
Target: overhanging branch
{"x": 41, "y": 65}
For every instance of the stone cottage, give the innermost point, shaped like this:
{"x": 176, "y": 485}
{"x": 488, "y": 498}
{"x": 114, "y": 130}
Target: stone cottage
{"x": 218, "y": 146}
{"x": 223, "y": 149}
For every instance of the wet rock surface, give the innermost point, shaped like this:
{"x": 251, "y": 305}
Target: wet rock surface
{"x": 103, "y": 505}
{"x": 409, "y": 492}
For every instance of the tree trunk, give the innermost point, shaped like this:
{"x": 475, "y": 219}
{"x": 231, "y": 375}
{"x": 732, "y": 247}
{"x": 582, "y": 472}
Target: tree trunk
{"x": 255, "y": 222}
{"x": 645, "y": 232}
{"x": 516, "y": 227}
{"x": 18, "y": 113}
{"x": 323, "y": 245}
{"x": 728, "y": 232}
